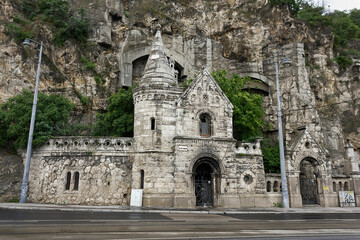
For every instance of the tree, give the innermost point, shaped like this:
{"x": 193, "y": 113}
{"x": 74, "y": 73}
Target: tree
{"x": 271, "y": 156}
{"x": 15, "y": 115}
{"x": 248, "y": 111}
{"x": 294, "y": 5}
{"x": 119, "y": 118}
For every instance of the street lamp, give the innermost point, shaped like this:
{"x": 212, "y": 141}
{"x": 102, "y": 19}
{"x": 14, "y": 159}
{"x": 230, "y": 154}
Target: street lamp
{"x": 25, "y": 182}
{"x": 285, "y": 194}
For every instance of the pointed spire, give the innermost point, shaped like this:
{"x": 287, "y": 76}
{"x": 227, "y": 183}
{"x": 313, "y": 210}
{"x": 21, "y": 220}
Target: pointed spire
{"x": 157, "y": 69}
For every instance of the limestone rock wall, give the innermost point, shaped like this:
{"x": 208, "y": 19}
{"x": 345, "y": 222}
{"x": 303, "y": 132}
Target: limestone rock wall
{"x": 240, "y": 36}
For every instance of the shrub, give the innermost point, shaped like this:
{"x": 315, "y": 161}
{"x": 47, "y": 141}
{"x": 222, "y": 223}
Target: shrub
{"x": 271, "y": 156}
{"x": 17, "y": 32}
{"x": 343, "y": 61}
{"x": 119, "y": 118}
{"x": 88, "y": 65}
{"x": 15, "y": 115}
{"x": 248, "y": 111}
{"x": 65, "y": 24}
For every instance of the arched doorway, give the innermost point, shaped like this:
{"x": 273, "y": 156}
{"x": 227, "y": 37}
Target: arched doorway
{"x": 308, "y": 181}
{"x": 206, "y": 181}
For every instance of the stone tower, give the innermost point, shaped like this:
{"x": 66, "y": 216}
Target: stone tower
{"x": 154, "y": 101}
{"x": 155, "y": 127}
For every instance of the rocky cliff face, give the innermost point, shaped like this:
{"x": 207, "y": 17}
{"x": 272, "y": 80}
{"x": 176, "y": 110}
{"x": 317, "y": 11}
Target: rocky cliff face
{"x": 242, "y": 36}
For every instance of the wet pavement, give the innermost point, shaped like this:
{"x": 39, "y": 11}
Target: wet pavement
{"x": 52, "y": 222}
{"x": 40, "y": 215}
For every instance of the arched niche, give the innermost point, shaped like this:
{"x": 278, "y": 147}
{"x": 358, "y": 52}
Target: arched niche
{"x": 138, "y": 66}
{"x": 137, "y": 55}
{"x": 259, "y": 84}
{"x": 258, "y": 87}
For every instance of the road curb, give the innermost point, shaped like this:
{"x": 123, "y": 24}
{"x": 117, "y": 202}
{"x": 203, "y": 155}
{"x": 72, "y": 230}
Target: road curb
{"x": 107, "y": 209}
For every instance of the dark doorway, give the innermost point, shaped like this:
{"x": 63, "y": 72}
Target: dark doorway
{"x": 204, "y": 185}
{"x": 308, "y": 182}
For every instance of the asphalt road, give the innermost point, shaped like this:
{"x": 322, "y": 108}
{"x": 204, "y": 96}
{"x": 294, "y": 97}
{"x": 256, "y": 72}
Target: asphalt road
{"x": 52, "y": 224}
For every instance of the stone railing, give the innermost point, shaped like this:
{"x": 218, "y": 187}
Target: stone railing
{"x": 244, "y": 148}
{"x": 341, "y": 183}
{"x": 273, "y": 182}
{"x": 88, "y": 144}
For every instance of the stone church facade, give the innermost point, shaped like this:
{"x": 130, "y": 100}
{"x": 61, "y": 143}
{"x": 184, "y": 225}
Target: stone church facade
{"x": 183, "y": 155}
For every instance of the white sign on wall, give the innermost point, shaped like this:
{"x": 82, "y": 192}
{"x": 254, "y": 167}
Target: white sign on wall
{"x": 346, "y": 199}
{"x": 136, "y": 197}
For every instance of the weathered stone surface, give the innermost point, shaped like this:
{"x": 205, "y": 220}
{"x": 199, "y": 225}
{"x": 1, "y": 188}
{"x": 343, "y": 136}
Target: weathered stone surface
{"x": 11, "y": 166}
{"x": 244, "y": 37}
{"x": 103, "y": 164}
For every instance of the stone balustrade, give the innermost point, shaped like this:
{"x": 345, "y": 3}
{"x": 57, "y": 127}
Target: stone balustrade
{"x": 88, "y": 144}
{"x": 247, "y": 148}
{"x": 273, "y": 183}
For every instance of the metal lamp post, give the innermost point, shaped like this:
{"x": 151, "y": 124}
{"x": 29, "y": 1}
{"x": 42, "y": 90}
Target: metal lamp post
{"x": 285, "y": 194}
{"x": 25, "y": 182}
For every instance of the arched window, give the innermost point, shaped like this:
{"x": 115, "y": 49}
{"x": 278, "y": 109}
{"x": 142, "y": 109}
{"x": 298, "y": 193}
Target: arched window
{"x": 68, "y": 180}
{"x": 340, "y": 186}
{"x": 268, "y": 186}
{"x": 346, "y": 186}
{"x": 76, "y": 181}
{"x": 152, "y": 122}
{"x": 334, "y": 186}
{"x": 205, "y": 125}
{"x": 142, "y": 175}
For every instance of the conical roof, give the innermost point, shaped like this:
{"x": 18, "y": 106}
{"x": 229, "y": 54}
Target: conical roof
{"x": 157, "y": 69}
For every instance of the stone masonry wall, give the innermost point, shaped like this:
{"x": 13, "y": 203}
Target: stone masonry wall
{"x": 104, "y": 175}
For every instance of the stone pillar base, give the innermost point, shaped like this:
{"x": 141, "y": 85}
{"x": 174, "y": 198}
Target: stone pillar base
{"x": 184, "y": 201}
{"x": 158, "y": 200}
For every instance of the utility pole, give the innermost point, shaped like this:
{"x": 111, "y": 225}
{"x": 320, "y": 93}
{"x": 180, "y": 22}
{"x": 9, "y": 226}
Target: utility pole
{"x": 25, "y": 182}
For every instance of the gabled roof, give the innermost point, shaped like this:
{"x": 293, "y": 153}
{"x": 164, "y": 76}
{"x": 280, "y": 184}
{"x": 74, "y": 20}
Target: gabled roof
{"x": 305, "y": 134}
{"x": 205, "y": 74}
{"x": 157, "y": 69}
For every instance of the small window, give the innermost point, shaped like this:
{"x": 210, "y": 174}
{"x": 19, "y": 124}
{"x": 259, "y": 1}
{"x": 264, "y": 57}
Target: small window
{"x": 205, "y": 125}
{"x": 334, "y": 186}
{"x": 68, "y": 180}
{"x": 152, "y": 120}
{"x": 268, "y": 186}
{"x": 76, "y": 181}
{"x": 142, "y": 175}
{"x": 340, "y": 186}
{"x": 346, "y": 186}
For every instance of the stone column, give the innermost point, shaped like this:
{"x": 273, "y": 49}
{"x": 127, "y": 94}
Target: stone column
{"x": 353, "y": 160}
{"x": 294, "y": 189}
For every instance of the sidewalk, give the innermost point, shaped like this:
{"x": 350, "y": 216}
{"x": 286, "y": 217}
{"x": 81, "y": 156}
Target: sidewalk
{"x": 87, "y": 208}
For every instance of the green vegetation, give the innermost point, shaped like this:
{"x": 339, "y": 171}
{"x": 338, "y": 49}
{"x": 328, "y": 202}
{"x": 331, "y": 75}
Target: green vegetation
{"x": 15, "y": 116}
{"x": 89, "y": 65}
{"x": 119, "y": 118}
{"x": 17, "y": 31}
{"x": 13, "y": 200}
{"x": 294, "y": 5}
{"x": 98, "y": 77}
{"x": 345, "y": 26}
{"x": 65, "y": 25}
{"x": 271, "y": 156}
{"x": 248, "y": 111}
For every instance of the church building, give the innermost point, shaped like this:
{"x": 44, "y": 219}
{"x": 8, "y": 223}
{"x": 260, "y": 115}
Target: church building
{"x": 182, "y": 155}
